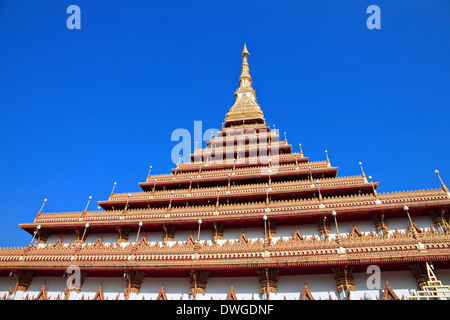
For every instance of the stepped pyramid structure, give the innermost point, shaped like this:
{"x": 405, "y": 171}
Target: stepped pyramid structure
{"x": 246, "y": 218}
{"x": 432, "y": 289}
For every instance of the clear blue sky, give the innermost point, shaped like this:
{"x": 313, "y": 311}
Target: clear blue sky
{"x": 81, "y": 109}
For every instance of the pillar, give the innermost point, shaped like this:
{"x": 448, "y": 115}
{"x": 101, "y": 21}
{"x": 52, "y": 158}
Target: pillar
{"x": 268, "y": 279}
{"x": 23, "y": 280}
{"x": 169, "y": 233}
{"x": 344, "y": 281}
{"x": 124, "y": 233}
{"x": 217, "y": 231}
{"x": 420, "y": 273}
{"x": 439, "y": 221}
{"x": 324, "y": 228}
{"x": 134, "y": 281}
{"x": 198, "y": 283}
{"x": 380, "y": 224}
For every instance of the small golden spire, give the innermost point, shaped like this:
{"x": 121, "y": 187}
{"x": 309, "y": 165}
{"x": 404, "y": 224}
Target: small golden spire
{"x": 245, "y": 51}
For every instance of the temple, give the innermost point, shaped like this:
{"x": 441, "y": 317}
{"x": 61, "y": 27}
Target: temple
{"x": 247, "y": 218}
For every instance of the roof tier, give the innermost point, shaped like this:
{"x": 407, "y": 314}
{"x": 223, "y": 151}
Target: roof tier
{"x": 351, "y": 207}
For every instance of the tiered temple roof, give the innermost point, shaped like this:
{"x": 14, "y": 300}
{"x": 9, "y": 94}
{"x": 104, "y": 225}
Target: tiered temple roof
{"x": 245, "y": 176}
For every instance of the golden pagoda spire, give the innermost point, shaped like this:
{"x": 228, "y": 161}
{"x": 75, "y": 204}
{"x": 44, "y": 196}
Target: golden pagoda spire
{"x": 245, "y": 109}
{"x": 245, "y": 80}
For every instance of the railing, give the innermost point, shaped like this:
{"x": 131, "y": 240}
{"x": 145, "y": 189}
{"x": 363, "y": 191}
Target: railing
{"x": 239, "y": 171}
{"x": 282, "y": 207}
{"x": 247, "y": 188}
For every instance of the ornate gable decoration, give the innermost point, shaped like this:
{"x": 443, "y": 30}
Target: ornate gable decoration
{"x": 231, "y": 295}
{"x": 190, "y": 240}
{"x": 355, "y": 231}
{"x": 388, "y": 293}
{"x": 297, "y": 235}
{"x": 162, "y": 294}
{"x": 99, "y": 294}
{"x": 306, "y": 295}
{"x": 243, "y": 237}
{"x": 42, "y": 295}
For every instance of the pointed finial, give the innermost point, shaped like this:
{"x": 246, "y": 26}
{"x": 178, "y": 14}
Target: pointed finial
{"x": 373, "y": 187}
{"x": 443, "y": 185}
{"x": 326, "y": 153}
{"x": 90, "y": 198}
{"x": 112, "y": 191}
{"x": 245, "y": 51}
{"x": 334, "y": 214}
{"x": 149, "y": 172}
{"x": 42, "y": 207}
{"x": 363, "y": 174}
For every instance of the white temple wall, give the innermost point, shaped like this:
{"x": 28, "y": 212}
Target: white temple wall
{"x": 112, "y": 287}
{"x": 244, "y": 287}
{"x": 152, "y": 237}
{"x": 54, "y": 285}
{"x": 291, "y": 287}
{"x": 175, "y": 288}
{"x": 443, "y": 275}
{"x": 91, "y": 238}
{"x": 402, "y": 224}
{"x": 5, "y": 284}
{"x": 233, "y": 234}
{"x": 65, "y": 238}
{"x": 253, "y": 233}
{"x": 402, "y": 282}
